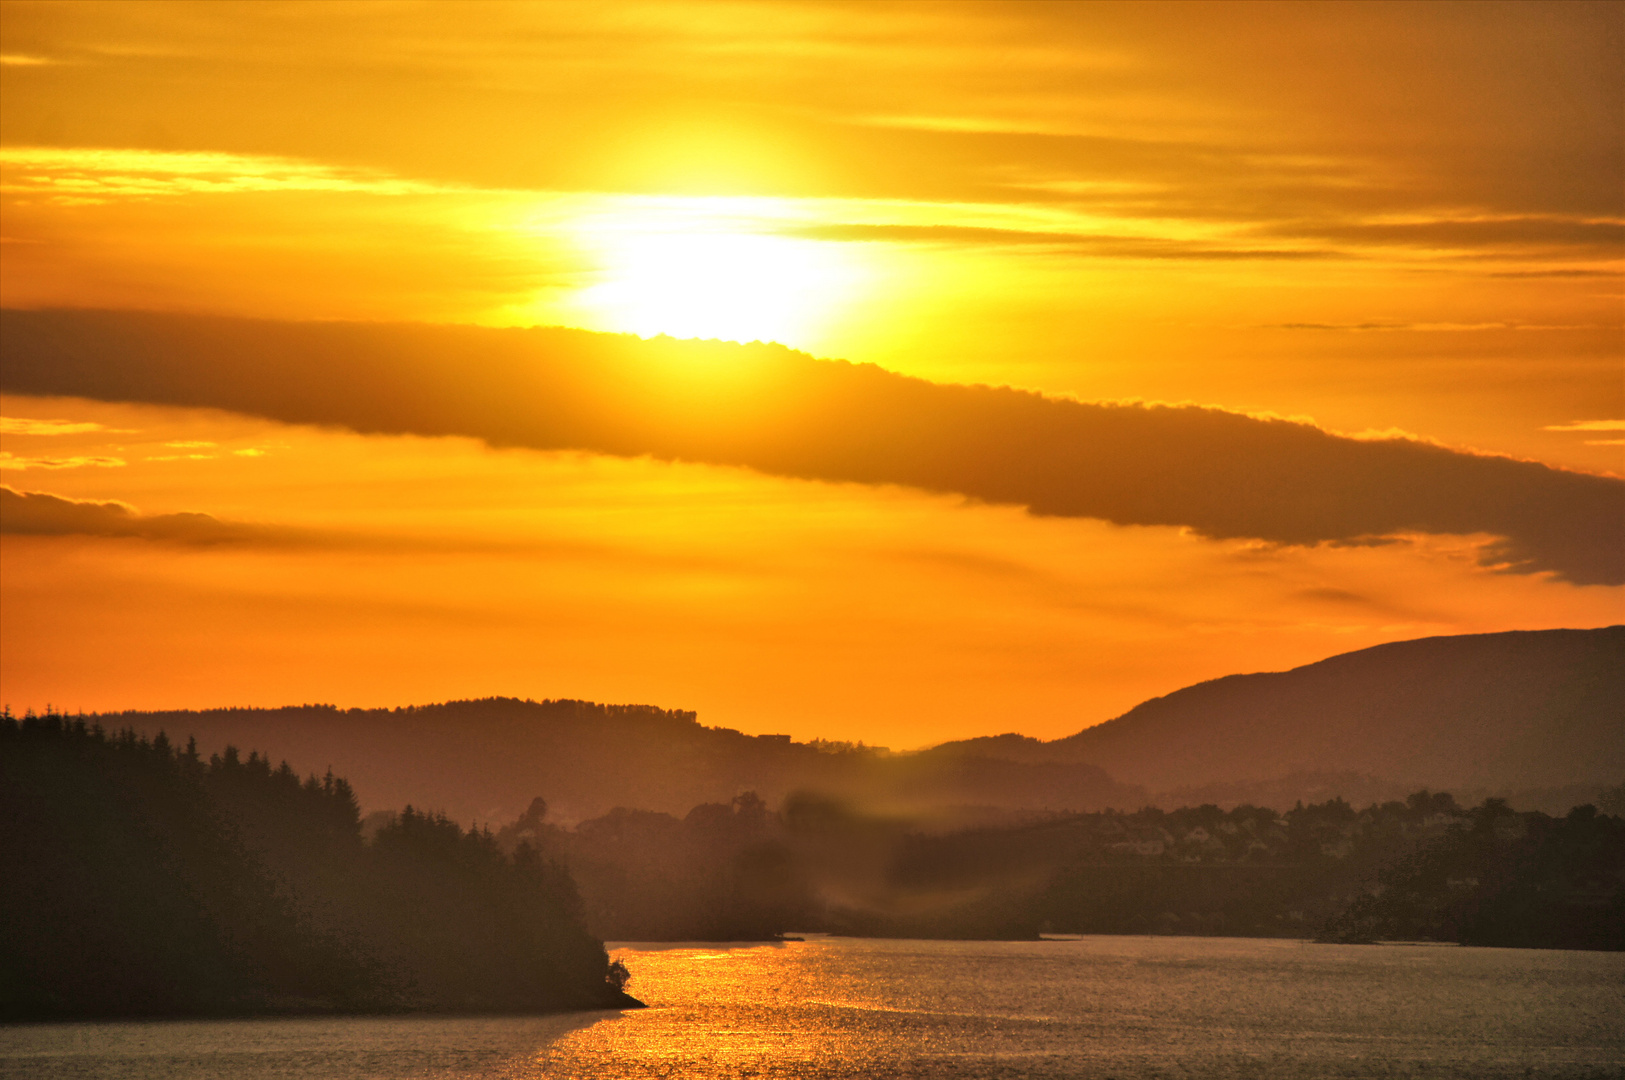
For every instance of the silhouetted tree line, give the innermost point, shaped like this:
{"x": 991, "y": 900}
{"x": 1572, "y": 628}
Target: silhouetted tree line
{"x": 723, "y": 872}
{"x": 141, "y": 879}
{"x": 1419, "y": 869}
{"x": 1422, "y": 868}
{"x": 1502, "y": 878}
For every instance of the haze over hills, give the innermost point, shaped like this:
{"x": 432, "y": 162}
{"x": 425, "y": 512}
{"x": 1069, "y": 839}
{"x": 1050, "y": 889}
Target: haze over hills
{"x": 1510, "y": 714}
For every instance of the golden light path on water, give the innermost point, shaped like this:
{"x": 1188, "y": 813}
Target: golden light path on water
{"x": 1099, "y": 1006}
{"x": 1130, "y": 1008}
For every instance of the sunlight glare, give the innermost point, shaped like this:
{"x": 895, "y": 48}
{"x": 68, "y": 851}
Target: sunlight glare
{"x": 701, "y": 279}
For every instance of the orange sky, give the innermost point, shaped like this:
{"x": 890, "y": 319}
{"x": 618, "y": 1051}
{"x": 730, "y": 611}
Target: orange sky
{"x": 1379, "y": 218}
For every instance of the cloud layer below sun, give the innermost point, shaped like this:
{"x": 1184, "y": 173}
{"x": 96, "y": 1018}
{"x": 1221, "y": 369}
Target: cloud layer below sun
{"x": 765, "y": 407}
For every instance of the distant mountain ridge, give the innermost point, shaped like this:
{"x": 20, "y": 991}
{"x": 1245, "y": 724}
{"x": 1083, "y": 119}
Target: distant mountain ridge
{"x": 1521, "y": 709}
{"x": 1483, "y": 714}
{"x": 487, "y": 759}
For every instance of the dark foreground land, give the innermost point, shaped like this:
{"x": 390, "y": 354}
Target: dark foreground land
{"x": 143, "y": 880}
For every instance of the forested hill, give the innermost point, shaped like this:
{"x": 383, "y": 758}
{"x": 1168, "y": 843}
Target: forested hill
{"x": 486, "y": 760}
{"x": 1489, "y": 712}
{"x": 142, "y": 879}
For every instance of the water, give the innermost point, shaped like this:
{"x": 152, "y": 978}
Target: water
{"x": 1093, "y": 1007}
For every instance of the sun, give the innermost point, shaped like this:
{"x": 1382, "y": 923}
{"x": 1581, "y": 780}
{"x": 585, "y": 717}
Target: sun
{"x": 686, "y": 276}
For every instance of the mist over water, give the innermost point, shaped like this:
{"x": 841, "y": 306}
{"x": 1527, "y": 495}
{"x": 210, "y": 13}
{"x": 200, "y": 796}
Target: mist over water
{"x": 1123, "y": 1007}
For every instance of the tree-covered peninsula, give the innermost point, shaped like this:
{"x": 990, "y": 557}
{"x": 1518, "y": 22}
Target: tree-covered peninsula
{"x": 144, "y": 880}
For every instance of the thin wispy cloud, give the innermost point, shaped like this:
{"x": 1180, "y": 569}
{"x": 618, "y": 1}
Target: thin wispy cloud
{"x": 1428, "y": 327}
{"x": 96, "y": 172}
{"x": 1588, "y": 425}
{"x": 34, "y": 513}
{"x": 22, "y": 463}
{"x": 46, "y": 514}
{"x": 18, "y": 425}
{"x": 1063, "y": 243}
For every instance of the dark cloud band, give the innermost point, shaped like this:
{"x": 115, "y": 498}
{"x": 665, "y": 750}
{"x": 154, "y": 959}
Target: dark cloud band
{"x": 781, "y": 412}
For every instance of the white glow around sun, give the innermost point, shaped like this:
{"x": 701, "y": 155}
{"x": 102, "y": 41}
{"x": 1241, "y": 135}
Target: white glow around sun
{"x": 689, "y": 277}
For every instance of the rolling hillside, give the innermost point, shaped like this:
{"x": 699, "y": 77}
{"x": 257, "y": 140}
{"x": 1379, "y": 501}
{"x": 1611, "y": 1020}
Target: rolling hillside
{"x": 485, "y": 760}
{"x": 1506, "y": 714}
{"x": 1510, "y": 711}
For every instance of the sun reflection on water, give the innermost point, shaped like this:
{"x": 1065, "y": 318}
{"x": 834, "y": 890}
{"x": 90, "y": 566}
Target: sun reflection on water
{"x": 1126, "y": 1007}
{"x": 1135, "y": 1008}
